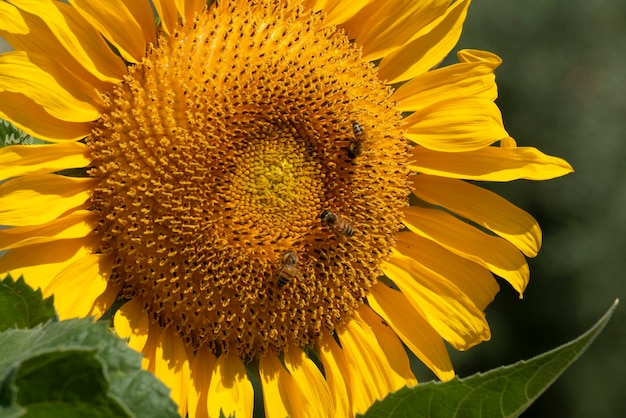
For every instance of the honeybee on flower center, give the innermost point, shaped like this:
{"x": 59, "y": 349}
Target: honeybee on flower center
{"x": 355, "y": 147}
{"x": 338, "y": 225}
{"x": 288, "y": 268}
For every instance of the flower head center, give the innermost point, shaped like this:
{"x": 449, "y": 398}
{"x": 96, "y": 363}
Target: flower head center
{"x": 218, "y": 153}
{"x": 271, "y": 184}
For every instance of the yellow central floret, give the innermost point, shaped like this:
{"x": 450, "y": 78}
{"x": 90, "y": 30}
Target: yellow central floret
{"x": 216, "y": 156}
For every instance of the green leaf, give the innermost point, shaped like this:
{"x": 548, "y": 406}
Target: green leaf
{"x": 76, "y": 368}
{"x": 21, "y": 306}
{"x": 64, "y": 384}
{"x": 502, "y": 392}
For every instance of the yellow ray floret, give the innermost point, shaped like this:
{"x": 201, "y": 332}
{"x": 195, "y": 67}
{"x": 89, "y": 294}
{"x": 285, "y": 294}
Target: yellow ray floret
{"x": 340, "y": 11}
{"x": 456, "y": 125}
{"x": 392, "y": 347}
{"x": 33, "y": 119}
{"x": 40, "y": 198}
{"x": 490, "y": 164}
{"x": 316, "y": 398}
{"x": 382, "y": 30}
{"x": 79, "y": 285}
{"x": 51, "y": 259}
{"x": 129, "y": 25}
{"x": 472, "y": 77}
{"x": 366, "y": 365}
{"x": 444, "y": 306}
{"x": 472, "y": 279}
{"x": 483, "y": 207}
{"x": 19, "y": 75}
{"x": 131, "y": 321}
{"x": 494, "y": 253}
{"x": 330, "y": 355}
{"x": 75, "y": 225}
{"x": 423, "y": 53}
{"x": 278, "y": 387}
{"x": 18, "y": 160}
{"x": 418, "y": 335}
{"x": 63, "y": 34}
{"x": 230, "y": 390}
{"x": 171, "y": 366}
{"x": 201, "y": 367}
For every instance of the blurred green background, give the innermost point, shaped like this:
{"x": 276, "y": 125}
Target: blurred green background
{"x": 562, "y": 90}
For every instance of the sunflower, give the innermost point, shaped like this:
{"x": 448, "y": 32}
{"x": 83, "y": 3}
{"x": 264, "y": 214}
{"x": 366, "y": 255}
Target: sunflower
{"x": 275, "y": 190}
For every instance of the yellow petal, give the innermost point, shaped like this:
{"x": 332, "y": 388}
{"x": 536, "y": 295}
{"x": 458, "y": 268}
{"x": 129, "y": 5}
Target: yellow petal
{"x": 80, "y": 89}
{"x": 490, "y": 164}
{"x": 18, "y": 160}
{"x": 128, "y": 25}
{"x": 201, "y": 370}
{"x": 39, "y": 271}
{"x": 275, "y": 382}
{"x": 467, "y": 79}
{"x": 289, "y": 397}
{"x": 382, "y": 28}
{"x": 104, "y": 302}
{"x": 508, "y": 142}
{"x": 168, "y": 13}
{"x": 230, "y": 390}
{"x": 308, "y": 378}
{"x": 314, "y": 4}
{"x": 418, "y": 335}
{"x": 423, "y": 53}
{"x": 479, "y": 56}
{"x": 334, "y": 365}
{"x": 131, "y": 321}
{"x": 369, "y": 372}
{"x": 56, "y": 28}
{"x": 391, "y": 346}
{"x": 78, "y": 285}
{"x": 340, "y": 11}
{"x": 142, "y": 13}
{"x": 75, "y": 225}
{"x": 188, "y": 8}
{"x": 171, "y": 366}
{"x": 19, "y": 75}
{"x": 472, "y": 279}
{"x": 150, "y": 347}
{"x": 494, "y": 253}
{"x": 443, "y": 305}
{"x": 39, "y": 198}
{"x": 33, "y": 119}
{"x": 11, "y": 22}
{"x": 482, "y": 207}
{"x": 454, "y": 125}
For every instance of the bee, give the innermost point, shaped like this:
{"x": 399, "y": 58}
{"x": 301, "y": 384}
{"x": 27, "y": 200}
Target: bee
{"x": 288, "y": 269}
{"x": 355, "y": 147}
{"x": 339, "y": 225}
